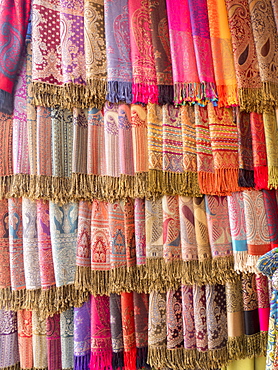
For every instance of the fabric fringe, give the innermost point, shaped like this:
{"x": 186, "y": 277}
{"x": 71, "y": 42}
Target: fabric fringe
{"x": 82, "y": 362}
{"x": 201, "y": 93}
{"x": 227, "y": 95}
{"x": 130, "y": 359}
{"x": 119, "y": 91}
{"x": 251, "y": 264}
{"x": 12, "y": 367}
{"x": 255, "y": 345}
{"x": 221, "y": 182}
{"x": 144, "y": 93}
{"x": 101, "y": 359}
{"x": 261, "y": 177}
{"x": 117, "y": 360}
{"x": 272, "y": 177}
{"x": 240, "y": 261}
{"x": 6, "y": 102}
{"x": 157, "y": 356}
{"x": 236, "y": 350}
{"x": 141, "y": 358}
{"x": 255, "y": 100}
{"x": 246, "y": 178}
{"x": 165, "y": 94}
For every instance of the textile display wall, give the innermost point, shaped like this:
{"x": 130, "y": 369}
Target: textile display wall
{"x": 138, "y": 184}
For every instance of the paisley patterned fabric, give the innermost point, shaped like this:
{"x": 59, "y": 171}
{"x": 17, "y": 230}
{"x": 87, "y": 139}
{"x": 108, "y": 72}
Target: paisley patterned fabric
{"x": 128, "y": 324}
{"x": 24, "y": 322}
{"x": 271, "y": 136}
{"x": 9, "y": 351}
{"x": 53, "y": 337}
{"x": 5, "y": 272}
{"x": 82, "y": 336}
{"x": 271, "y": 207}
{"x": 67, "y": 341}
{"x": 174, "y": 319}
{"x": 39, "y": 341}
{"x": 116, "y": 331}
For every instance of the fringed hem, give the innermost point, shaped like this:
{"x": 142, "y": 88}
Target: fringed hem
{"x": 236, "y": 350}
{"x": 117, "y": 360}
{"x": 221, "y": 182}
{"x": 227, "y": 95}
{"x": 251, "y": 264}
{"x": 272, "y": 177}
{"x": 246, "y": 178}
{"x": 201, "y": 93}
{"x": 119, "y": 91}
{"x": 69, "y": 95}
{"x": 100, "y": 359}
{"x": 165, "y": 94}
{"x": 82, "y": 362}
{"x": 144, "y": 93}
{"x": 255, "y": 100}
{"x": 6, "y": 102}
{"x": 261, "y": 177}
{"x": 256, "y": 344}
{"x": 240, "y": 261}
{"x": 141, "y": 358}
{"x": 12, "y": 367}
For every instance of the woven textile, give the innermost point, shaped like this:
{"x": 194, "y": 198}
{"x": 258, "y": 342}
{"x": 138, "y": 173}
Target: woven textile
{"x": 263, "y": 301}
{"x": 44, "y": 142}
{"x": 189, "y": 332}
{"x": 116, "y": 331}
{"x": 144, "y": 80}
{"x": 67, "y": 342}
{"x": 14, "y": 22}
{"x": 82, "y": 336}
{"x": 129, "y": 230}
{"x": 141, "y": 308}
{"x": 53, "y": 337}
{"x": 128, "y": 330}
{"x": 24, "y": 322}
{"x": 118, "y": 49}
{"x": 189, "y": 247}
{"x": 271, "y": 137}
{"x": 9, "y": 352}
{"x": 200, "y": 317}
{"x": 39, "y": 341}
{"x": 101, "y": 349}
{"x": 222, "y": 53}
{"x": 5, "y": 273}
{"x": 174, "y": 320}
{"x": 117, "y": 235}
{"x": 250, "y": 305}
{"x": 140, "y": 231}
{"x": 270, "y": 203}
{"x": 6, "y": 150}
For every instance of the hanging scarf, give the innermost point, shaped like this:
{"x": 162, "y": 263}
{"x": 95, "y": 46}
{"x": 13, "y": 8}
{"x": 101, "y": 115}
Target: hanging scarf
{"x": 266, "y": 42}
{"x": 39, "y": 341}
{"x": 222, "y": 53}
{"x": 200, "y": 317}
{"x": 238, "y": 230}
{"x": 116, "y": 332}
{"x": 245, "y": 154}
{"x": 128, "y": 330}
{"x": 125, "y": 141}
{"x": 101, "y": 349}
{"x": 245, "y": 58}
{"x": 5, "y": 273}
{"x": 8, "y": 340}
{"x": 140, "y": 233}
{"x": 263, "y": 301}
{"x": 24, "y": 323}
{"x": 141, "y": 308}
{"x": 44, "y": 133}
{"x": 157, "y": 332}
{"x": 202, "y": 48}
{"x": 14, "y": 22}
{"x": 162, "y": 54}
{"x": 259, "y": 151}
{"x": 67, "y": 343}
{"x": 129, "y": 230}
{"x": 189, "y": 332}
{"x": 144, "y": 80}
{"x": 6, "y": 152}
{"x": 271, "y": 137}
{"x": 187, "y": 85}
{"x": 54, "y": 355}
{"x": 258, "y": 241}
{"x": 119, "y": 69}
{"x": 271, "y": 209}
{"x": 82, "y": 336}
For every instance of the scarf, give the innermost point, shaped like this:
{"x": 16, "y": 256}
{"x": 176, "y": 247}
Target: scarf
{"x": 39, "y": 341}
{"x": 44, "y": 142}
{"x": 125, "y": 141}
{"x": 202, "y": 47}
{"x": 157, "y": 331}
{"x": 6, "y": 152}
{"x": 14, "y": 22}
{"x": 82, "y": 336}
{"x": 67, "y": 343}
{"x": 258, "y": 241}
{"x": 8, "y": 340}
{"x": 238, "y": 230}
{"x": 200, "y": 317}
{"x": 140, "y": 232}
{"x": 270, "y": 203}
{"x": 222, "y": 53}
{"x": 250, "y": 94}
{"x": 101, "y": 349}
{"x": 259, "y": 151}
{"x": 141, "y": 308}
{"x": 119, "y": 69}
{"x": 189, "y": 331}
{"x": 53, "y": 337}
{"x": 128, "y": 330}
{"x": 187, "y": 86}
{"x": 116, "y": 332}
{"x": 245, "y": 154}
{"x": 95, "y": 52}
{"x": 24, "y": 323}
{"x": 263, "y": 301}
{"x": 162, "y": 54}
{"x": 266, "y": 40}
{"x": 271, "y": 137}
{"x": 129, "y": 231}
{"x": 144, "y": 80}
{"x": 5, "y": 272}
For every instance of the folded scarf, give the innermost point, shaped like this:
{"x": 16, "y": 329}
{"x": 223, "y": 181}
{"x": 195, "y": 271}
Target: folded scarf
{"x": 6, "y": 151}
{"x": 39, "y": 341}
{"x": 53, "y": 337}
{"x": 82, "y": 336}
{"x": 140, "y": 231}
{"x": 250, "y": 92}
{"x": 258, "y": 241}
{"x": 118, "y": 52}
{"x": 200, "y": 317}
{"x": 79, "y": 144}
{"x": 44, "y": 142}
{"x": 245, "y": 154}
{"x": 67, "y": 342}
{"x": 24, "y": 322}
{"x": 128, "y": 330}
{"x": 5, "y": 273}
{"x": 271, "y": 208}
{"x": 259, "y": 151}
{"x": 9, "y": 340}
{"x": 144, "y": 80}
{"x": 222, "y": 54}
{"x": 14, "y": 22}
{"x": 116, "y": 332}
{"x": 141, "y": 309}
{"x": 271, "y": 137}
{"x": 101, "y": 348}
{"x": 238, "y": 230}
{"x": 162, "y": 54}
{"x": 263, "y": 301}
{"x": 129, "y": 231}
{"x": 189, "y": 331}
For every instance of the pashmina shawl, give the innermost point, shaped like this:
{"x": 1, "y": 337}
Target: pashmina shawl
{"x": 5, "y": 273}
{"x": 222, "y": 53}
{"x": 125, "y": 140}
{"x": 116, "y": 332}
{"x": 263, "y": 301}
{"x": 129, "y": 231}
{"x": 128, "y": 324}
{"x": 271, "y": 137}
{"x": 144, "y": 79}
{"x": 14, "y": 22}
{"x": 118, "y": 51}
{"x": 67, "y": 343}
{"x": 271, "y": 210}
{"x": 141, "y": 308}
{"x": 82, "y": 336}
{"x": 189, "y": 332}
{"x": 238, "y": 230}
{"x": 187, "y": 86}
{"x": 9, "y": 351}
{"x": 258, "y": 241}
{"x": 24, "y": 322}
{"x": 250, "y": 93}
{"x": 162, "y": 53}
{"x": 140, "y": 231}
{"x": 200, "y": 317}
{"x": 101, "y": 346}
{"x": 39, "y": 341}
{"x": 6, "y": 152}
{"x": 259, "y": 151}
{"x": 266, "y": 42}
{"x": 53, "y": 337}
